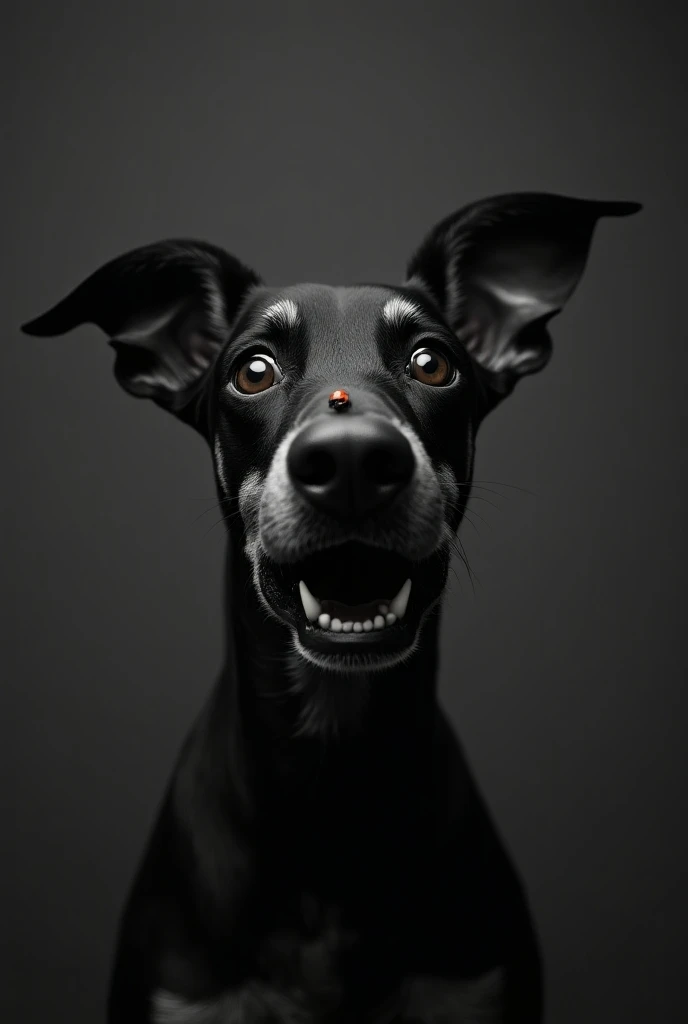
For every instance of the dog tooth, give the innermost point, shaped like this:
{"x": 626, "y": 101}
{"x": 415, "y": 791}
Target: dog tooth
{"x": 347, "y": 627}
{"x": 311, "y": 605}
{"x": 358, "y": 627}
{"x": 398, "y": 605}
{"x": 368, "y": 625}
{"x": 324, "y": 620}
{"x": 336, "y": 625}
{"x": 379, "y": 622}
{"x": 384, "y": 608}
{"x": 390, "y": 618}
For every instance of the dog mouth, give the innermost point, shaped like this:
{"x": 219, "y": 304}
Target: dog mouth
{"x": 372, "y": 589}
{"x": 352, "y": 598}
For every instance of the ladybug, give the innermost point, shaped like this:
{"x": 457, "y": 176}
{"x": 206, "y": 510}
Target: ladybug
{"x": 339, "y": 399}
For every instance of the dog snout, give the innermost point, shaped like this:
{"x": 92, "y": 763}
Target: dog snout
{"x": 350, "y": 467}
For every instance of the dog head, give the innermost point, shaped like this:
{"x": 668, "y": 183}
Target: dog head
{"x": 342, "y": 421}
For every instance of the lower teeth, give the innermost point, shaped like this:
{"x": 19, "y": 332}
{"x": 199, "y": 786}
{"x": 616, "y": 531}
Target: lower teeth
{"x": 386, "y": 614}
{"x": 348, "y": 626}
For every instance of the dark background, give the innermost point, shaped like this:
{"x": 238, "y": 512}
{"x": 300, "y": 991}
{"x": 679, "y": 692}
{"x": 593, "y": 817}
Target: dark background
{"x": 321, "y": 145}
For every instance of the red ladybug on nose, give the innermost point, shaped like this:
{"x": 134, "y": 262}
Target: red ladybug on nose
{"x": 339, "y": 399}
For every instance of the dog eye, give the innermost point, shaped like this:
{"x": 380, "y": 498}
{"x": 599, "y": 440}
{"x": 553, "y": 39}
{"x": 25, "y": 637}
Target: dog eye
{"x": 430, "y": 367}
{"x": 257, "y": 374}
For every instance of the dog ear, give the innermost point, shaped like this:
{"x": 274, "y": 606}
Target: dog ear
{"x": 500, "y": 269}
{"x": 167, "y": 309}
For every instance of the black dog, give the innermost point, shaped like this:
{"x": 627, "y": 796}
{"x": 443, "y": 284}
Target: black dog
{"x": 322, "y": 853}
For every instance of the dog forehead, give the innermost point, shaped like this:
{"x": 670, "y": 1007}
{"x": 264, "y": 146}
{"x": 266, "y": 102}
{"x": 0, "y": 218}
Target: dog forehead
{"x": 333, "y": 313}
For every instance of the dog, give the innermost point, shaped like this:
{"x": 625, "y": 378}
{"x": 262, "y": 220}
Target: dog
{"x": 322, "y": 852}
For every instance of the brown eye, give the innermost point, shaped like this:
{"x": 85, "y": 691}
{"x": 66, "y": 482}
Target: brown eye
{"x": 430, "y": 367}
{"x": 257, "y": 374}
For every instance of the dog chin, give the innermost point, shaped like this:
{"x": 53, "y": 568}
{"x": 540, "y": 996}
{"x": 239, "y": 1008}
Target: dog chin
{"x": 347, "y": 663}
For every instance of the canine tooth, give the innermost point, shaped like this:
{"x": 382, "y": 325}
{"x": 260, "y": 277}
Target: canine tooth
{"x": 398, "y": 605}
{"x": 378, "y": 622}
{"x": 358, "y": 627}
{"x": 324, "y": 620}
{"x": 347, "y": 627}
{"x": 390, "y": 618}
{"x": 311, "y": 605}
{"x": 384, "y": 608}
{"x": 368, "y": 625}
{"x": 336, "y": 625}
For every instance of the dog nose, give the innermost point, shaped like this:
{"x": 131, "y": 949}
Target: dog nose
{"x": 350, "y": 468}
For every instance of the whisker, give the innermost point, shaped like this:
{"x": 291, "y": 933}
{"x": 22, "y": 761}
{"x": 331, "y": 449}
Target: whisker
{"x": 460, "y": 552}
{"x": 465, "y": 510}
{"x": 498, "y": 483}
{"x": 223, "y": 519}
{"x": 489, "y": 490}
{"x": 470, "y": 521}
{"x": 471, "y": 511}
{"x": 205, "y": 513}
{"x": 209, "y": 497}
{"x": 479, "y": 497}
{"x": 455, "y": 574}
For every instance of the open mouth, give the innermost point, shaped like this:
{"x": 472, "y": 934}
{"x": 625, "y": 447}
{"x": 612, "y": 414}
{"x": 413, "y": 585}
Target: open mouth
{"x": 366, "y": 582}
{"x": 354, "y": 597}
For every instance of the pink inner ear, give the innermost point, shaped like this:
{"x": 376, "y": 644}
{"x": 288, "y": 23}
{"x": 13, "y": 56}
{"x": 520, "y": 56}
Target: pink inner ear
{"x": 200, "y": 349}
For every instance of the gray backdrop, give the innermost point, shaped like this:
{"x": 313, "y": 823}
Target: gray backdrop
{"x": 320, "y": 144}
